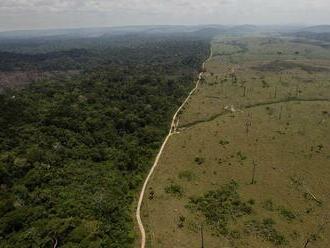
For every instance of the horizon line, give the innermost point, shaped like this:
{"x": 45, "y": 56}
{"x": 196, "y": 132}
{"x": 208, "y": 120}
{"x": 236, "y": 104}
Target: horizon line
{"x": 160, "y": 25}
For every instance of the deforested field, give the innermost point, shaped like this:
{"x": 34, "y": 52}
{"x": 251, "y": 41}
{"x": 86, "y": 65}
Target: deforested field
{"x": 250, "y": 166}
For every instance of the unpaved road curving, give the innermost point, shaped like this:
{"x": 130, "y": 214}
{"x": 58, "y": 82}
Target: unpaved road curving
{"x": 172, "y": 131}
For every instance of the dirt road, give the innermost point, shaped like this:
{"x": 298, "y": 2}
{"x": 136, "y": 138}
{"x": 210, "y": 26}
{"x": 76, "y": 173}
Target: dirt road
{"x": 174, "y": 126}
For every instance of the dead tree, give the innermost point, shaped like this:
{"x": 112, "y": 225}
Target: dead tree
{"x": 275, "y": 92}
{"x": 297, "y": 90}
{"x": 202, "y": 235}
{"x": 280, "y": 114}
{"x": 248, "y": 124}
{"x": 253, "y": 172}
{"x": 312, "y": 237}
{"x": 244, "y": 93}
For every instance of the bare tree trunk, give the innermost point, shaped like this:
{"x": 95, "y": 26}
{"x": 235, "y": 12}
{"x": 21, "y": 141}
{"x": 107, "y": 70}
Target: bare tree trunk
{"x": 297, "y": 90}
{"x": 248, "y": 124}
{"x": 275, "y": 93}
{"x": 280, "y": 115}
{"x": 313, "y": 236}
{"x": 202, "y": 235}
{"x": 253, "y": 173}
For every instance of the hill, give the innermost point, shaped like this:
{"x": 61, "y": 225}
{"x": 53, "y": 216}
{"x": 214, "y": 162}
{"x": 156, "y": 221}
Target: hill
{"x": 317, "y": 29}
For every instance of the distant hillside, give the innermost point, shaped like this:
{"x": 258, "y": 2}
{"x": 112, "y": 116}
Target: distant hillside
{"x": 317, "y": 29}
{"x": 102, "y": 31}
{"x": 313, "y": 36}
{"x": 208, "y": 32}
{"x": 97, "y": 32}
{"x": 243, "y": 29}
{"x": 320, "y": 33}
{"x": 253, "y": 29}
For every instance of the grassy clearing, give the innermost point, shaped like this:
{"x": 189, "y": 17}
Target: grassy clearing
{"x": 260, "y": 118}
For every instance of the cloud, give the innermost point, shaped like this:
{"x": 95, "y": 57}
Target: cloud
{"x": 16, "y": 14}
{"x": 165, "y": 6}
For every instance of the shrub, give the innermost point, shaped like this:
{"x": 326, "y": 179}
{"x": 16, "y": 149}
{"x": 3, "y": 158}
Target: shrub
{"x": 241, "y": 156}
{"x": 287, "y": 214}
{"x": 220, "y": 207}
{"x": 268, "y": 205}
{"x": 182, "y": 221}
{"x": 223, "y": 142}
{"x": 175, "y": 190}
{"x": 187, "y": 175}
{"x": 266, "y": 230}
{"x": 199, "y": 160}
{"x": 265, "y": 84}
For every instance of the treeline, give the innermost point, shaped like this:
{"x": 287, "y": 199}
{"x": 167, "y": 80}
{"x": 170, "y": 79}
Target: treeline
{"x": 73, "y": 153}
{"x": 124, "y": 51}
{"x": 54, "y": 61}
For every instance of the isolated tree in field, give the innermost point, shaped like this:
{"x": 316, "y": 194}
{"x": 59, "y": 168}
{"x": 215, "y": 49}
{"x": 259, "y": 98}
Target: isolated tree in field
{"x": 244, "y": 89}
{"x": 248, "y": 123}
{"x": 297, "y": 90}
{"x": 202, "y": 235}
{"x": 275, "y": 92}
{"x": 280, "y": 114}
{"x": 253, "y": 172}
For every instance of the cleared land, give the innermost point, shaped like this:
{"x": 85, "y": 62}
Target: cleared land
{"x": 251, "y": 163}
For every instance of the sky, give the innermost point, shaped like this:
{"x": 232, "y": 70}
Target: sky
{"x": 44, "y": 14}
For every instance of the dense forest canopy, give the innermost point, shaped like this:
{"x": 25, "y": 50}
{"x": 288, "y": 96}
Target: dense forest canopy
{"x": 73, "y": 152}
{"x": 82, "y": 54}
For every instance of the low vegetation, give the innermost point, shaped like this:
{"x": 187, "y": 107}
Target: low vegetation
{"x": 266, "y": 230}
{"x": 282, "y": 211}
{"x": 199, "y": 160}
{"x": 221, "y": 207}
{"x": 174, "y": 190}
{"x": 187, "y": 175}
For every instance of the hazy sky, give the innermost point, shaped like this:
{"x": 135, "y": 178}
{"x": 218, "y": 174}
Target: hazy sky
{"x": 30, "y": 14}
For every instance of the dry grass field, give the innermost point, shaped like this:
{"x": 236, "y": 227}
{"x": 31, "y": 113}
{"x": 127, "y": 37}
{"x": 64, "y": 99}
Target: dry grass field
{"x": 250, "y": 166}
